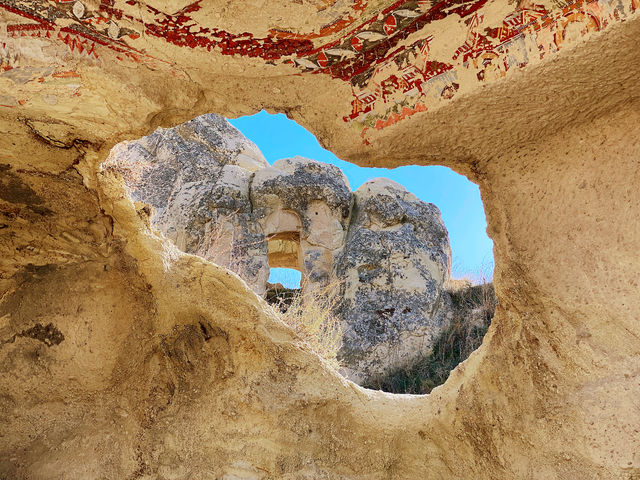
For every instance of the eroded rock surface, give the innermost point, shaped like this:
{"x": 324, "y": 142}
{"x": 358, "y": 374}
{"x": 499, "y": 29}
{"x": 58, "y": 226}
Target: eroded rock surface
{"x": 196, "y": 177}
{"x": 144, "y": 385}
{"x": 386, "y": 251}
{"x": 396, "y": 260}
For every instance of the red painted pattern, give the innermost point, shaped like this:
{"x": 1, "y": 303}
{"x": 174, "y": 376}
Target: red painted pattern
{"x": 334, "y": 27}
{"x": 390, "y": 25}
{"x": 371, "y": 55}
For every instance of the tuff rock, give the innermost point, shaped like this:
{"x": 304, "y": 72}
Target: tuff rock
{"x": 395, "y": 263}
{"x": 303, "y": 207}
{"x": 386, "y": 251}
{"x": 196, "y": 178}
{"x": 123, "y": 357}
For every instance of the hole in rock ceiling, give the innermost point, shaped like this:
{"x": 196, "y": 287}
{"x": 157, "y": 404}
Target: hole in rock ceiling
{"x": 376, "y": 310}
{"x": 357, "y": 260}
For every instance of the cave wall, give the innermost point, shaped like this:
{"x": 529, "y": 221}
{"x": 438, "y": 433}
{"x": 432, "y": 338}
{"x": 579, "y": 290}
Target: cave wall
{"x": 122, "y": 357}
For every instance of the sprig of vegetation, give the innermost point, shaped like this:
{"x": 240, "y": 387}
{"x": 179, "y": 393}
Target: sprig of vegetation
{"x": 310, "y": 312}
{"x": 473, "y": 309}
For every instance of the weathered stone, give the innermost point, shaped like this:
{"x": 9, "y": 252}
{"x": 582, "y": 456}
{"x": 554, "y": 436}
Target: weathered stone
{"x": 196, "y": 177}
{"x": 551, "y": 393}
{"x": 307, "y": 203}
{"x": 395, "y": 262}
{"x": 392, "y": 255}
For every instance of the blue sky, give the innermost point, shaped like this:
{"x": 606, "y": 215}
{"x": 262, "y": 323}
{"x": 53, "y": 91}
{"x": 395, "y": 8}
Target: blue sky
{"x": 457, "y": 198}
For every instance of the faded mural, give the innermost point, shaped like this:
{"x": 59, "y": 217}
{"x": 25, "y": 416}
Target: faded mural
{"x": 386, "y": 55}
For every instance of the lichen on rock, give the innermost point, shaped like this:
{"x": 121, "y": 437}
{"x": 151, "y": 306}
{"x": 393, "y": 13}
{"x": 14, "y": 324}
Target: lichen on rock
{"x": 395, "y": 263}
{"x": 196, "y": 177}
{"x": 388, "y": 250}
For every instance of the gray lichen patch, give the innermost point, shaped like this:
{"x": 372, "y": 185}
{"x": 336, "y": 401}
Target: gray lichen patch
{"x": 213, "y": 194}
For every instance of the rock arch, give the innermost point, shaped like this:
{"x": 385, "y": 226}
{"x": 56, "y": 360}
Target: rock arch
{"x": 307, "y": 205}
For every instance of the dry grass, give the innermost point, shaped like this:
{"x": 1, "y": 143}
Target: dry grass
{"x": 473, "y": 309}
{"x": 311, "y": 314}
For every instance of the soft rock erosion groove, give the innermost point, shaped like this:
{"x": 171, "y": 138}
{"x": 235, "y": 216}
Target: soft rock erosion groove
{"x": 166, "y": 366}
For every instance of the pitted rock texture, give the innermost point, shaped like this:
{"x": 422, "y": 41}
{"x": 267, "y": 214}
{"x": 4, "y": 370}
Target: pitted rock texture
{"x": 395, "y": 263}
{"x": 196, "y": 177}
{"x": 143, "y": 385}
{"x": 312, "y": 201}
{"x": 389, "y": 258}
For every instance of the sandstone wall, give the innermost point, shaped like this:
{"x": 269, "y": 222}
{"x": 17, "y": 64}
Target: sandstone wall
{"x": 121, "y": 357}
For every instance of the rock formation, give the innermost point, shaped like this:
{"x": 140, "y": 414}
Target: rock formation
{"x": 196, "y": 178}
{"x": 396, "y": 260}
{"x": 304, "y": 208}
{"x": 122, "y": 357}
{"x": 389, "y": 258}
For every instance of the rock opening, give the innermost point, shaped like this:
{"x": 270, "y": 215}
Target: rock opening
{"x": 383, "y": 253}
{"x": 122, "y": 357}
{"x": 283, "y": 250}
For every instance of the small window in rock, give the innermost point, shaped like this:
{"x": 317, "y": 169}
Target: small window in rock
{"x": 286, "y": 277}
{"x": 283, "y": 286}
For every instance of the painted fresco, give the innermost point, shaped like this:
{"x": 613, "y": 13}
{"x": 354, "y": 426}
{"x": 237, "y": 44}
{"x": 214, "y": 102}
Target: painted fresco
{"x": 386, "y": 55}
{"x": 405, "y": 80}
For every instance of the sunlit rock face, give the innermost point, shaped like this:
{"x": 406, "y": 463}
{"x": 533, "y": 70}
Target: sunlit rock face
{"x": 396, "y": 260}
{"x": 387, "y": 252}
{"x": 196, "y": 178}
{"x": 316, "y": 193}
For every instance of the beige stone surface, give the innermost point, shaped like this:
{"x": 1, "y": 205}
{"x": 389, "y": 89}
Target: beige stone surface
{"x": 303, "y": 208}
{"x": 121, "y": 357}
{"x": 394, "y": 268}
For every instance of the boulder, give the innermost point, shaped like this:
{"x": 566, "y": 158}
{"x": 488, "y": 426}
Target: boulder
{"x": 196, "y": 177}
{"x": 395, "y": 262}
{"x": 213, "y": 194}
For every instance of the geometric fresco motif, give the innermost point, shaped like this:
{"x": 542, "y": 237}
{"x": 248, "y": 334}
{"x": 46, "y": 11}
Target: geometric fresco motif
{"x": 407, "y": 80}
{"x": 386, "y": 55}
